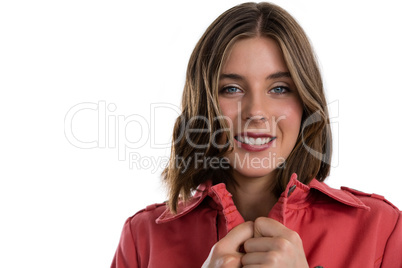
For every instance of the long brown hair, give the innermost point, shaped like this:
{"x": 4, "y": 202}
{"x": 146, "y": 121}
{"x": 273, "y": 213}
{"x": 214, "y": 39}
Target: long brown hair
{"x": 201, "y": 124}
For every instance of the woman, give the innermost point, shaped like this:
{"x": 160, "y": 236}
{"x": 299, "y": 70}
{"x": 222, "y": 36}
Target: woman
{"x": 250, "y": 152}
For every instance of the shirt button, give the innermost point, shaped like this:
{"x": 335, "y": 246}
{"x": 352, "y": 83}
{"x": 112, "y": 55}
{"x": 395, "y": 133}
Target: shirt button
{"x": 291, "y": 190}
{"x": 319, "y": 267}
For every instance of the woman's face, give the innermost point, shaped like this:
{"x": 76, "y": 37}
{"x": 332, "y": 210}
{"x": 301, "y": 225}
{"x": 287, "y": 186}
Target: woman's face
{"x": 260, "y": 102}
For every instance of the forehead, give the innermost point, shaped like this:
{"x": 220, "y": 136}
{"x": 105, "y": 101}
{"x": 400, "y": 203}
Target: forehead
{"x": 256, "y": 54}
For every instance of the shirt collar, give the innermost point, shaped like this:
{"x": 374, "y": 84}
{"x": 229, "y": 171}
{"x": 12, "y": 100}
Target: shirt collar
{"x": 185, "y": 207}
{"x": 295, "y": 192}
{"x": 342, "y": 196}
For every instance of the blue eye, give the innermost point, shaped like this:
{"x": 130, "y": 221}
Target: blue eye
{"x": 230, "y": 90}
{"x": 279, "y": 90}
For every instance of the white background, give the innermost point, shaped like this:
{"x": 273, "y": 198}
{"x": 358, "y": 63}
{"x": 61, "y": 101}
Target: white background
{"x": 64, "y": 206}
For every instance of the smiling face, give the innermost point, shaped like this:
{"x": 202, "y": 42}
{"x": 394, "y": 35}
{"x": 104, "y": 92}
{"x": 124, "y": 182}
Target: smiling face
{"x": 261, "y": 104}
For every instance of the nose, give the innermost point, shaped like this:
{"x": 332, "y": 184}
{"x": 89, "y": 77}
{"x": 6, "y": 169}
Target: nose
{"x": 254, "y": 109}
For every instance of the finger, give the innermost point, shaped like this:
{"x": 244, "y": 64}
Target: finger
{"x": 265, "y": 244}
{"x": 236, "y": 237}
{"x": 266, "y": 227}
{"x": 256, "y": 258}
{"x": 252, "y": 266}
{"x": 261, "y": 244}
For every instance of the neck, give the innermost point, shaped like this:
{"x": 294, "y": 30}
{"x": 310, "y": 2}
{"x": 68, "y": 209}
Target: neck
{"x": 253, "y": 197}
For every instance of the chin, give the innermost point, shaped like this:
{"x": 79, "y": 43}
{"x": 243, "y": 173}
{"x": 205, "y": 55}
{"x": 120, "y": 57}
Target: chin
{"x": 254, "y": 172}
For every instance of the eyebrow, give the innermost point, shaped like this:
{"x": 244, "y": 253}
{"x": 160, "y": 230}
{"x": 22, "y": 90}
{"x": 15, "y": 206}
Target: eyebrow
{"x": 271, "y": 76}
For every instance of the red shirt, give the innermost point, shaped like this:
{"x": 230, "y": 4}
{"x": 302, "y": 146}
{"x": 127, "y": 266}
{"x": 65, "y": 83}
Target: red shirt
{"x": 339, "y": 228}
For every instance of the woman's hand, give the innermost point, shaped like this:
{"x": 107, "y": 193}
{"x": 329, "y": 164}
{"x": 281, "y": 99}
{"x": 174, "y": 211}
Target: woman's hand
{"x": 225, "y": 253}
{"x": 273, "y": 245}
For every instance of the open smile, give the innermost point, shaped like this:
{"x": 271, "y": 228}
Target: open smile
{"x": 254, "y": 141}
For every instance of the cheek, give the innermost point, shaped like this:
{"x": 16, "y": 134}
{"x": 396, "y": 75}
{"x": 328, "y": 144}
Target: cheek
{"x": 229, "y": 114}
{"x": 290, "y": 119}
{"x": 229, "y": 111}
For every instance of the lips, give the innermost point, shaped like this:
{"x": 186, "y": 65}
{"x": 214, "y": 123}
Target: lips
{"x": 254, "y": 141}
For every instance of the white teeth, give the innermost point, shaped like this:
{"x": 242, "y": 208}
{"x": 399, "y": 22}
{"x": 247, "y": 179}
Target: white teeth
{"x": 253, "y": 141}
